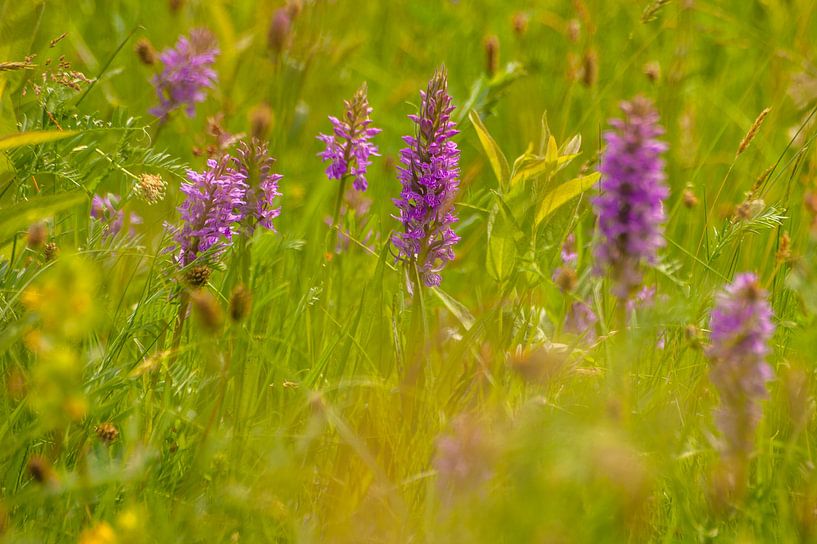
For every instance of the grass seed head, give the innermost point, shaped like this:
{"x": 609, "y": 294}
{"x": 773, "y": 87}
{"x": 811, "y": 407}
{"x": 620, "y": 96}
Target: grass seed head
{"x": 146, "y": 52}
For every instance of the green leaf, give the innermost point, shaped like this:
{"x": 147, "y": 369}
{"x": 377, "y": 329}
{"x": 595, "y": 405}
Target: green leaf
{"x": 33, "y": 137}
{"x": 563, "y": 193}
{"x": 532, "y": 167}
{"x": 457, "y": 309}
{"x": 502, "y": 247}
{"x": 23, "y": 214}
{"x": 499, "y": 163}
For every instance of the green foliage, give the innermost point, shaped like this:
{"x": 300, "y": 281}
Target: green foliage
{"x": 306, "y": 396}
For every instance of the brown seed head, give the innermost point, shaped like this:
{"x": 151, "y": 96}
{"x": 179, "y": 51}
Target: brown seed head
{"x": 175, "y": 5}
{"x": 653, "y": 71}
{"x": 40, "y": 469}
{"x": 783, "y": 254}
{"x": 198, "y": 276}
{"x": 107, "y": 432}
{"x": 207, "y": 309}
{"x": 240, "y": 303}
{"x": 151, "y": 188}
{"x": 520, "y": 23}
{"x": 690, "y": 200}
{"x": 145, "y": 51}
{"x": 261, "y": 118}
{"x": 590, "y": 68}
{"x": 279, "y": 35}
{"x": 566, "y": 279}
{"x": 51, "y": 251}
{"x": 37, "y": 234}
{"x": 752, "y": 131}
{"x": 491, "y": 46}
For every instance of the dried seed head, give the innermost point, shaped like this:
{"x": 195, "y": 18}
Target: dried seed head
{"x": 145, "y": 51}
{"x": 279, "y": 35}
{"x": 520, "y": 23}
{"x": 749, "y": 209}
{"x": 207, "y": 309}
{"x": 40, "y": 469}
{"x": 574, "y": 30}
{"x": 693, "y": 335}
{"x": 240, "y": 303}
{"x": 261, "y": 119}
{"x": 51, "y": 251}
{"x": 690, "y": 200}
{"x": 541, "y": 364}
{"x": 107, "y": 432}
{"x": 198, "y": 276}
{"x": 491, "y": 55}
{"x": 151, "y": 188}
{"x": 590, "y": 68}
{"x": 784, "y": 251}
{"x": 752, "y": 131}
{"x": 175, "y": 5}
{"x": 653, "y": 71}
{"x": 37, "y": 233}
{"x": 566, "y": 279}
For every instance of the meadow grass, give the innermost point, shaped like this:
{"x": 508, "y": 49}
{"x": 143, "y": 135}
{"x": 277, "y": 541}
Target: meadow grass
{"x": 338, "y": 407}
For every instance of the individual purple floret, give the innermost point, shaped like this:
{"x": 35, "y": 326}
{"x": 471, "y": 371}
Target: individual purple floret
{"x": 262, "y": 186}
{"x": 569, "y": 255}
{"x": 212, "y": 208}
{"x": 187, "y": 73}
{"x": 630, "y": 208}
{"x": 106, "y": 210}
{"x": 430, "y": 180}
{"x": 349, "y": 148}
{"x": 741, "y": 327}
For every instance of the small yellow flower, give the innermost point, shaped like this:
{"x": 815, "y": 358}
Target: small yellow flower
{"x": 101, "y": 533}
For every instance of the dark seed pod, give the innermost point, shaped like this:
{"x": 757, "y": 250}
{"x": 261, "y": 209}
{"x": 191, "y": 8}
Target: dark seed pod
{"x": 240, "y": 303}
{"x": 198, "y": 276}
{"x": 145, "y": 51}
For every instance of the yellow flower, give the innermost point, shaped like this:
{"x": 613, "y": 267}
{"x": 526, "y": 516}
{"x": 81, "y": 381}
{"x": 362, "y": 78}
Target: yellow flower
{"x": 101, "y": 533}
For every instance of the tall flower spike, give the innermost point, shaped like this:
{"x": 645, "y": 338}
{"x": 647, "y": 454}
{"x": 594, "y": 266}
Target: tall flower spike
{"x": 349, "y": 147}
{"x": 211, "y": 210}
{"x": 429, "y": 175}
{"x": 187, "y": 73}
{"x": 262, "y": 186}
{"x": 741, "y": 327}
{"x": 630, "y": 208}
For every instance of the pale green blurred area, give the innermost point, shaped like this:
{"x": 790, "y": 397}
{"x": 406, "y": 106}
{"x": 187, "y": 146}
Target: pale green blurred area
{"x": 611, "y": 443}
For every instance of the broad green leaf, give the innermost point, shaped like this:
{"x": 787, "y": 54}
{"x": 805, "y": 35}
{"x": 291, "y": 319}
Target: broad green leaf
{"x": 456, "y": 308}
{"x": 533, "y": 167}
{"x": 499, "y": 163}
{"x": 502, "y": 250}
{"x": 563, "y": 193}
{"x": 19, "y": 216}
{"x": 33, "y": 137}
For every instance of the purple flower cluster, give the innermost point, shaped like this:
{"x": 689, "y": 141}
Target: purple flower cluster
{"x": 106, "y": 210}
{"x": 741, "y": 325}
{"x": 262, "y": 189}
{"x": 232, "y": 195}
{"x": 630, "y": 209}
{"x": 213, "y": 206}
{"x": 187, "y": 73}
{"x": 430, "y": 180}
{"x": 349, "y": 147}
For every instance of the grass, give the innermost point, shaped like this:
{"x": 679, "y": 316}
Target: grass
{"x": 319, "y": 415}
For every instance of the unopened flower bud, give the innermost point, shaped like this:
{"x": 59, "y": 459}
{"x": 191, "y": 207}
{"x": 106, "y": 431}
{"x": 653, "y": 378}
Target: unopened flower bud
{"x": 261, "y": 118}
